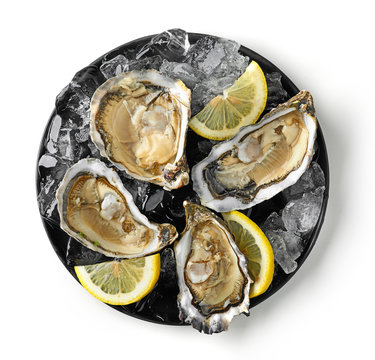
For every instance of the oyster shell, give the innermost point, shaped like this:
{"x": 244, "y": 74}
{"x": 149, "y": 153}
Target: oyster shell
{"x": 212, "y": 272}
{"x": 138, "y": 121}
{"x": 97, "y": 210}
{"x": 260, "y": 160}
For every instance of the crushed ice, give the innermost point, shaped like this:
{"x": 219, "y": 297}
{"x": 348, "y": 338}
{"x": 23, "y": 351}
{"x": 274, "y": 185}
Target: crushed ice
{"x": 287, "y": 231}
{"x": 207, "y": 68}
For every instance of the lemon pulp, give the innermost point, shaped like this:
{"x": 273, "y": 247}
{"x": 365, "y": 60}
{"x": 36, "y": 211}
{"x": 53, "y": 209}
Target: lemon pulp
{"x": 120, "y": 282}
{"x": 252, "y": 242}
{"x": 241, "y": 104}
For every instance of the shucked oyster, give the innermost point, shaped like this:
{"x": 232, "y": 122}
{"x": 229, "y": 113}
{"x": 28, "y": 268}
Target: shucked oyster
{"x": 212, "y": 272}
{"x": 139, "y": 121}
{"x": 261, "y": 160}
{"x": 100, "y": 213}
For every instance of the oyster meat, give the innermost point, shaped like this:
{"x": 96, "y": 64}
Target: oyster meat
{"x": 100, "y": 213}
{"x": 138, "y": 121}
{"x": 260, "y": 160}
{"x": 212, "y": 272}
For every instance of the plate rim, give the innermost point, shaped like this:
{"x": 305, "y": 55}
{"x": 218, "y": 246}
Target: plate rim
{"x": 322, "y": 153}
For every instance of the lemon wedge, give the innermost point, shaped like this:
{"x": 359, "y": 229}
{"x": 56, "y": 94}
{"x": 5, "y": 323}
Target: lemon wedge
{"x": 120, "y": 282}
{"x": 240, "y": 104}
{"x": 252, "y": 242}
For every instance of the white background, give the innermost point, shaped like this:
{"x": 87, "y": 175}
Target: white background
{"x": 325, "y": 311}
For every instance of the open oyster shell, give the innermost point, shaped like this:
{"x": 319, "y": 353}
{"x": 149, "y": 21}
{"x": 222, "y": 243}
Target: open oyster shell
{"x": 260, "y": 160}
{"x": 97, "y": 210}
{"x": 212, "y": 272}
{"x": 138, "y": 121}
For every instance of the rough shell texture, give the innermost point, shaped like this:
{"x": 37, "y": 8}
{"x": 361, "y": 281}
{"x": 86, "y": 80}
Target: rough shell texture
{"x": 202, "y": 277}
{"x": 97, "y": 210}
{"x": 249, "y": 194}
{"x": 138, "y": 121}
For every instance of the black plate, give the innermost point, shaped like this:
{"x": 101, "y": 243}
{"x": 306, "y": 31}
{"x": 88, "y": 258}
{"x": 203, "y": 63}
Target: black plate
{"x": 160, "y": 305}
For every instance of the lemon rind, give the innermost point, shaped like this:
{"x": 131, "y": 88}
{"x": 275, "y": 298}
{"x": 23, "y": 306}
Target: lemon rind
{"x": 199, "y": 127}
{"x": 267, "y": 268}
{"x": 151, "y": 276}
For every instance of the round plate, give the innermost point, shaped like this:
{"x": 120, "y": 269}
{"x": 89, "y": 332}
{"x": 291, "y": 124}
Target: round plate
{"x": 160, "y": 305}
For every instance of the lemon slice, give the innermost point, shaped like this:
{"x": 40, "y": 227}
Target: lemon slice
{"x": 241, "y": 104}
{"x": 120, "y": 282}
{"x": 252, "y": 242}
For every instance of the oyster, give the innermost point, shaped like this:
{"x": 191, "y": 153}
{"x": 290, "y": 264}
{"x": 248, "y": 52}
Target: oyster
{"x": 138, "y": 121}
{"x": 212, "y": 272}
{"x": 260, "y": 160}
{"x": 100, "y": 213}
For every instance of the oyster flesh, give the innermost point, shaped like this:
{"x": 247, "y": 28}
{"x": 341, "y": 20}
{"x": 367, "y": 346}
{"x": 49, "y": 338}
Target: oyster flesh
{"x": 212, "y": 272}
{"x": 97, "y": 210}
{"x": 138, "y": 121}
{"x": 261, "y": 159}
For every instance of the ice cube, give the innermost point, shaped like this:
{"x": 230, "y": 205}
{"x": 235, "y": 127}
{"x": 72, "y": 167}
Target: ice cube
{"x": 317, "y": 175}
{"x": 70, "y": 129}
{"x": 207, "y": 89}
{"x": 220, "y": 62}
{"x": 206, "y": 54}
{"x": 294, "y": 243}
{"x": 280, "y": 251}
{"x": 154, "y": 200}
{"x": 273, "y": 222}
{"x": 89, "y": 79}
{"x": 172, "y": 45}
{"x": 143, "y": 190}
{"x": 276, "y": 93}
{"x": 46, "y": 197}
{"x": 67, "y": 141}
{"x": 233, "y": 63}
{"x": 47, "y": 185}
{"x": 47, "y": 161}
{"x": 114, "y": 66}
{"x": 64, "y": 145}
{"x": 83, "y": 134}
{"x": 230, "y": 46}
{"x": 73, "y": 99}
{"x": 232, "y": 66}
{"x": 311, "y": 179}
{"x": 301, "y": 215}
{"x": 152, "y": 62}
{"x": 217, "y": 57}
{"x": 183, "y": 71}
{"x": 53, "y": 134}
{"x": 274, "y": 229}
{"x": 59, "y": 170}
